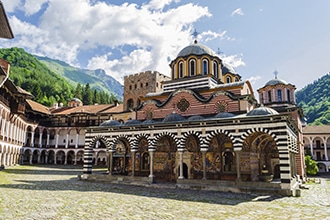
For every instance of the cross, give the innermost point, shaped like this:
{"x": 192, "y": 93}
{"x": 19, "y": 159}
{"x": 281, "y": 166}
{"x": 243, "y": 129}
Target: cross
{"x": 219, "y": 51}
{"x": 195, "y": 34}
{"x": 275, "y": 73}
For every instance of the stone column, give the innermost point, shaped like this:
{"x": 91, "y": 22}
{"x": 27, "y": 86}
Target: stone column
{"x": 133, "y": 162}
{"x": 181, "y": 165}
{"x": 151, "y": 152}
{"x": 40, "y": 140}
{"x": 204, "y": 163}
{"x": 110, "y": 162}
{"x": 30, "y": 159}
{"x": 238, "y": 165}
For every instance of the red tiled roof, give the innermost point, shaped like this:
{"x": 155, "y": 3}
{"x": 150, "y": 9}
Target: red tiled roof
{"x": 38, "y": 107}
{"x": 321, "y": 129}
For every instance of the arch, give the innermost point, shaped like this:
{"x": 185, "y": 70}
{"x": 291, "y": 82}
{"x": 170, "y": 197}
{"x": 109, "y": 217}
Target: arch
{"x": 130, "y": 104}
{"x": 205, "y": 67}
{"x": 99, "y": 138}
{"x": 70, "y": 157}
{"x": 121, "y": 155}
{"x": 259, "y": 154}
{"x": 60, "y": 157}
{"x": 215, "y": 69}
{"x": 228, "y": 79}
{"x": 188, "y": 135}
{"x": 192, "y": 67}
{"x": 51, "y": 157}
{"x": 180, "y": 70}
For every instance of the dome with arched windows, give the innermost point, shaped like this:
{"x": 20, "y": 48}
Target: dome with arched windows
{"x": 196, "y": 49}
{"x": 276, "y": 81}
{"x": 226, "y": 68}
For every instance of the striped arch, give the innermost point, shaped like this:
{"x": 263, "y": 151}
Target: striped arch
{"x": 137, "y": 139}
{"x": 214, "y": 133}
{"x": 121, "y": 137}
{"x": 160, "y": 135}
{"x": 239, "y": 140}
{"x": 187, "y": 134}
{"x": 97, "y": 138}
{"x": 88, "y": 152}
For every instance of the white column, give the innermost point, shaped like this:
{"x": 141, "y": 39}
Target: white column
{"x": 151, "y": 152}
{"x": 77, "y": 140}
{"x": 40, "y": 140}
{"x": 47, "y": 143}
{"x": 311, "y": 144}
{"x": 325, "y": 148}
{"x": 67, "y": 140}
{"x": 32, "y": 139}
{"x": 56, "y": 141}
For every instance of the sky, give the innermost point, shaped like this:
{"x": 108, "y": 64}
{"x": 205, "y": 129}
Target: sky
{"x": 255, "y": 37}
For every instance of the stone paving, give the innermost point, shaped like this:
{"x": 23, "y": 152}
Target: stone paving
{"x": 36, "y": 192}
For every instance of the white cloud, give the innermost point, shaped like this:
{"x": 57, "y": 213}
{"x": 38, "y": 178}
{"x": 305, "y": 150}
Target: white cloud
{"x": 11, "y": 5}
{"x": 254, "y": 79}
{"x": 153, "y": 34}
{"x": 238, "y": 11}
{"x": 233, "y": 60}
{"x": 33, "y": 6}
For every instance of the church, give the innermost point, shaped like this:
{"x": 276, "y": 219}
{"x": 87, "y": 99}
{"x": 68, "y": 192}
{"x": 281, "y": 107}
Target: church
{"x": 202, "y": 128}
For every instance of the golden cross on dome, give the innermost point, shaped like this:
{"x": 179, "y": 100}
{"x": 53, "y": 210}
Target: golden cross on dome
{"x": 275, "y": 73}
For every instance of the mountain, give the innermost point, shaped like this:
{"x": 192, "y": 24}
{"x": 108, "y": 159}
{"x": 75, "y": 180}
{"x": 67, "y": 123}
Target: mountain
{"x": 49, "y": 87}
{"x": 315, "y": 101}
{"x": 97, "y": 79}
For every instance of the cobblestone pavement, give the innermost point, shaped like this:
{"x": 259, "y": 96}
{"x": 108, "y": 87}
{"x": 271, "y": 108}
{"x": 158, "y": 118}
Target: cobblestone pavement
{"x": 35, "y": 192}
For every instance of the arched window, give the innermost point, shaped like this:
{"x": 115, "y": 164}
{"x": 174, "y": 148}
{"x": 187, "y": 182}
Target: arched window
{"x": 236, "y": 79}
{"x": 205, "y": 67}
{"x": 130, "y": 104}
{"x": 181, "y": 69}
{"x": 269, "y": 96}
{"x": 138, "y": 102}
{"x": 288, "y": 95}
{"x": 228, "y": 79}
{"x": 215, "y": 69}
{"x": 192, "y": 67}
{"x": 279, "y": 95}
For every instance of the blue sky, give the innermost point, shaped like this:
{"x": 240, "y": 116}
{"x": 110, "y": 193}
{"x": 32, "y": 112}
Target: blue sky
{"x": 256, "y": 37}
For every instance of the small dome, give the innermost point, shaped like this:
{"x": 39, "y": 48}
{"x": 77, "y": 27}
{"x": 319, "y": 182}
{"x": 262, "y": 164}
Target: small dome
{"x": 227, "y": 69}
{"x": 196, "y": 49}
{"x": 262, "y": 111}
{"x": 149, "y": 121}
{"x": 75, "y": 100}
{"x": 132, "y": 122}
{"x": 195, "y": 118}
{"x": 110, "y": 123}
{"x": 173, "y": 117}
{"x": 224, "y": 115}
{"x": 276, "y": 81}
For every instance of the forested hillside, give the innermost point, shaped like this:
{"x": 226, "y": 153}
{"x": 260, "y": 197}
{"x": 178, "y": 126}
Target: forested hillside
{"x": 97, "y": 79}
{"x": 315, "y": 101}
{"x": 46, "y": 86}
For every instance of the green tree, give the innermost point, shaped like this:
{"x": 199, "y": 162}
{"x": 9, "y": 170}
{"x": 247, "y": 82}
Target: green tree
{"x": 311, "y": 165}
{"x": 78, "y": 92}
{"x": 88, "y": 95}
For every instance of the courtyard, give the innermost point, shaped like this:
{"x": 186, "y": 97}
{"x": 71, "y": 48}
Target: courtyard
{"x": 55, "y": 192}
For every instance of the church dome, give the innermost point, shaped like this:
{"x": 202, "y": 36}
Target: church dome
{"x": 195, "y": 118}
{"x": 196, "y": 49}
{"x": 173, "y": 117}
{"x": 262, "y": 111}
{"x": 110, "y": 123}
{"x": 276, "y": 81}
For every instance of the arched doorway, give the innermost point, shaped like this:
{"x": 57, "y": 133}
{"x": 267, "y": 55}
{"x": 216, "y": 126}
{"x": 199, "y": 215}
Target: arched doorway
{"x": 185, "y": 170}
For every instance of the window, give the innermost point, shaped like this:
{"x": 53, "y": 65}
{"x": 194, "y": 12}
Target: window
{"x": 279, "y": 95}
{"x": 215, "y": 69}
{"x": 289, "y": 95}
{"x": 269, "y": 96}
{"x": 228, "y": 79}
{"x": 181, "y": 69}
{"x": 130, "y": 104}
{"x": 205, "y": 67}
{"x": 192, "y": 67}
